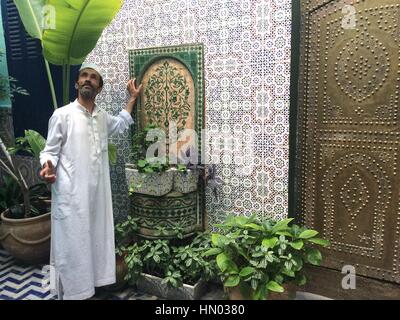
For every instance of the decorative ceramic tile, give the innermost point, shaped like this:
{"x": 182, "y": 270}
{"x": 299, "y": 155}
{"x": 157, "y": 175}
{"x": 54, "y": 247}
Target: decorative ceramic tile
{"x": 246, "y": 77}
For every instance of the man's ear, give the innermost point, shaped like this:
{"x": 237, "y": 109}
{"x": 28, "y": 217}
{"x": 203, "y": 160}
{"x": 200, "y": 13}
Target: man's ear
{"x": 76, "y": 86}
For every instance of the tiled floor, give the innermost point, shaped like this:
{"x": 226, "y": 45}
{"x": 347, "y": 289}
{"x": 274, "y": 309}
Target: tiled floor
{"x": 23, "y": 282}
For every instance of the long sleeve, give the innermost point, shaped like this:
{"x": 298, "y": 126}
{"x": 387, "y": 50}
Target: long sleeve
{"x": 54, "y": 140}
{"x": 119, "y": 123}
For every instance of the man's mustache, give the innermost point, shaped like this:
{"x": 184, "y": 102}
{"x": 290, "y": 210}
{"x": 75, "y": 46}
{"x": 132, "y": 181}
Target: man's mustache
{"x": 87, "y": 84}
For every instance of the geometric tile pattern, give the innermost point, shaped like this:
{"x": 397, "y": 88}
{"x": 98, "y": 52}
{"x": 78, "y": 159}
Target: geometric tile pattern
{"x": 247, "y": 84}
{"x": 22, "y": 282}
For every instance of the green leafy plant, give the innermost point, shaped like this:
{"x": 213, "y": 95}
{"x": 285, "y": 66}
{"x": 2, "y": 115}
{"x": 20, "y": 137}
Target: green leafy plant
{"x": 139, "y": 142}
{"x": 30, "y": 144}
{"x": 175, "y": 262}
{"x": 123, "y": 234}
{"x": 260, "y": 256}
{"x": 10, "y": 193}
{"x": 151, "y": 165}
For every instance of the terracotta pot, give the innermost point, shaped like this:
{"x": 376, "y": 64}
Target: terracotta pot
{"x": 234, "y": 293}
{"x": 121, "y": 271}
{"x": 27, "y": 240}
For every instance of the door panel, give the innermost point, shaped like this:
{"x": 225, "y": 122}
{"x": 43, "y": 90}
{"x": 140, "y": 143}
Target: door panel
{"x": 349, "y": 132}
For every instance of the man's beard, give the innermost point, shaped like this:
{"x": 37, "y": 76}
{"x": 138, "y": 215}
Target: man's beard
{"x": 86, "y": 93}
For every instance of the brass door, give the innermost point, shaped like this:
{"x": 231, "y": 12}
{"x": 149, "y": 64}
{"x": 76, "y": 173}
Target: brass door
{"x": 348, "y": 180}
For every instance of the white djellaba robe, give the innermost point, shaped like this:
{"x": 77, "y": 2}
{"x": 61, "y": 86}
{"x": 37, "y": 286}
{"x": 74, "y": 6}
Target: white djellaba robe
{"x": 82, "y": 226}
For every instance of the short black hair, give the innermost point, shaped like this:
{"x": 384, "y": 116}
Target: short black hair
{"x": 101, "y": 78}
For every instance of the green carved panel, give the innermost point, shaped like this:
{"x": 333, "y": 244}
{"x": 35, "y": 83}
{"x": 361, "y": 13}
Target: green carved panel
{"x": 173, "y": 86}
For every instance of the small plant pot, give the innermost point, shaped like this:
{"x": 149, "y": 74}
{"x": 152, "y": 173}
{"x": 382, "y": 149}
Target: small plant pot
{"x": 186, "y": 182}
{"x": 153, "y": 285}
{"x": 152, "y": 184}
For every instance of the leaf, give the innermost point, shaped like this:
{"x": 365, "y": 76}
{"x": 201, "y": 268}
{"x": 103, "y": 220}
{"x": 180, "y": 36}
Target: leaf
{"x": 284, "y": 233}
{"x": 260, "y": 293}
{"x": 270, "y": 243}
{"x": 297, "y": 244}
{"x": 307, "y": 234}
{"x": 232, "y": 281}
{"x": 112, "y": 153}
{"x": 245, "y": 272}
{"x": 254, "y": 226}
{"x": 212, "y": 252}
{"x": 217, "y": 239}
{"x": 320, "y": 241}
{"x": 274, "y": 286}
{"x": 79, "y": 26}
{"x": 35, "y": 141}
{"x": 301, "y": 280}
{"x": 142, "y": 163}
{"x": 31, "y": 13}
{"x": 223, "y": 261}
{"x": 281, "y": 225}
{"x": 314, "y": 257}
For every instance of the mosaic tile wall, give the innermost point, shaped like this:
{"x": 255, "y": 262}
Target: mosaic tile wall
{"x": 247, "y": 76}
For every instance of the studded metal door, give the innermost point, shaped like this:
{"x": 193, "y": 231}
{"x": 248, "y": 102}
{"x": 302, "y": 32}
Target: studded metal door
{"x": 348, "y": 180}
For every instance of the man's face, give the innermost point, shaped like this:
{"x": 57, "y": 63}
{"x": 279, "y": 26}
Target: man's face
{"x": 88, "y": 83}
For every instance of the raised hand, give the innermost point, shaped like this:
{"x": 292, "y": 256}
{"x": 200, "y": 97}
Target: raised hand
{"x": 134, "y": 91}
{"x": 48, "y": 172}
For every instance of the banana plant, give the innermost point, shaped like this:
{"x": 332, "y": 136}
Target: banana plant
{"x": 67, "y": 29}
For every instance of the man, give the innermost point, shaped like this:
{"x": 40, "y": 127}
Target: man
{"x": 75, "y": 161}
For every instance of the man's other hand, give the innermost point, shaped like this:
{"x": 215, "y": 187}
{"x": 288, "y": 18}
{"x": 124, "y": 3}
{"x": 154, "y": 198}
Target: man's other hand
{"x": 48, "y": 172}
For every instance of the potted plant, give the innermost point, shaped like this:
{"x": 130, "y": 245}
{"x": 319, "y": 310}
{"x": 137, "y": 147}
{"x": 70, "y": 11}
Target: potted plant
{"x": 258, "y": 258}
{"x": 148, "y": 176}
{"x": 124, "y": 235}
{"x": 25, "y": 222}
{"x": 170, "y": 269}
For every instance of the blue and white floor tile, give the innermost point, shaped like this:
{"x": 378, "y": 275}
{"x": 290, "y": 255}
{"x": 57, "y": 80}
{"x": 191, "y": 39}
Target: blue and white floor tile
{"x": 21, "y": 282}
{"x": 24, "y": 282}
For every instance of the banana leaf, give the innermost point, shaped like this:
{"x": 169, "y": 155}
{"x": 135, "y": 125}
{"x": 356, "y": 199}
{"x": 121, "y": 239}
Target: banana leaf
{"x": 76, "y": 28}
{"x": 35, "y": 141}
{"x": 31, "y": 13}
{"x": 79, "y": 25}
